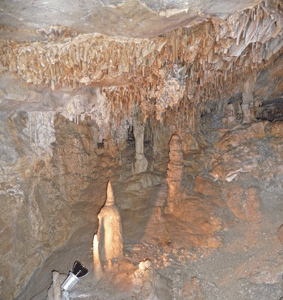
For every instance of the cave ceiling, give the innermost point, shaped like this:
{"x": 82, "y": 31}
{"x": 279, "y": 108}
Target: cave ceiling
{"x": 159, "y": 54}
{"x": 117, "y": 18}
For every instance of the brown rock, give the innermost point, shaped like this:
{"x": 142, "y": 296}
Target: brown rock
{"x": 60, "y": 227}
{"x": 190, "y": 143}
{"x": 236, "y": 138}
{"x": 253, "y": 203}
{"x": 242, "y": 159}
{"x": 244, "y": 204}
{"x": 280, "y": 234}
{"x": 6, "y": 236}
{"x": 235, "y": 194}
{"x": 206, "y": 187}
{"x": 276, "y": 130}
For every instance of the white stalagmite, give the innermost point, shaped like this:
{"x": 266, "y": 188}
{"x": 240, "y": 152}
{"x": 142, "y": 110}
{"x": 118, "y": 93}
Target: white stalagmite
{"x": 56, "y": 286}
{"x": 110, "y": 239}
{"x": 97, "y": 270}
{"x": 54, "y": 292}
{"x": 141, "y": 162}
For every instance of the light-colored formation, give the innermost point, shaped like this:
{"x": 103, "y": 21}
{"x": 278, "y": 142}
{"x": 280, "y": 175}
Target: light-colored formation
{"x": 97, "y": 266}
{"x": 141, "y": 162}
{"x": 174, "y": 172}
{"x": 109, "y": 235}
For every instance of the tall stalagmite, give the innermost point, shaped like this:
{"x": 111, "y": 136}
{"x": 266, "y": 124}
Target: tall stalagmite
{"x": 110, "y": 237}
{"x": 141, "y": 162}
{"x": 174, "y": 172}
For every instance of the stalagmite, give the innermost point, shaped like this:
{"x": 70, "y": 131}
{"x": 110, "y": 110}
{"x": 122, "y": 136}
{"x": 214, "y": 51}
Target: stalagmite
{"x": 56, "y": 286}
{"x": 174, "y": 172}
{"x": 97, "y": 270}
{"x": 110, "y": 239}
{"x": 54, "y": 292}
{"x": 141, "y": 162}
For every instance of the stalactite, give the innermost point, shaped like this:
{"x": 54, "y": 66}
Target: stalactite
{"x": 211, "y": 53}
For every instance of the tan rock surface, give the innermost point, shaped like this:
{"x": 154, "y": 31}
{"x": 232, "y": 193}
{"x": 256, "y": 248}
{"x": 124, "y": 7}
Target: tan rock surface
{"x": 206, "y": 187}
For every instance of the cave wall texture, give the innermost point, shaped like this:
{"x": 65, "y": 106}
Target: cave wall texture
{"x": 69, "y": 106}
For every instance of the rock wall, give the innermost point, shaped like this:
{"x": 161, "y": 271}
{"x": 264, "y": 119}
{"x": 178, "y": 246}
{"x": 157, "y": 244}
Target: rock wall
{"x": 52, "y": 160}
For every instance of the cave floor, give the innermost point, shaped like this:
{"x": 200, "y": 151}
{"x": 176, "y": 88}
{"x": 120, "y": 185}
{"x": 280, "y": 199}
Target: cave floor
{"x": 247, "y": 265}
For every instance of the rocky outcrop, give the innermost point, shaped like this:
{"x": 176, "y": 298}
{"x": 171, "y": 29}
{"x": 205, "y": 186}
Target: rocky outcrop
{"x": 244, "y": 204}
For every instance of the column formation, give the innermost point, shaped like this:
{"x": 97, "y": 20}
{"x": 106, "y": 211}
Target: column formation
{"x": 141, "y": 162}
{"x": 174, "y": 172}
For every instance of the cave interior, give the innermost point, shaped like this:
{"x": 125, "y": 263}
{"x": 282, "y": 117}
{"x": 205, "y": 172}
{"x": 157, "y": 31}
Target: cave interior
{"x": 142, "y": 139}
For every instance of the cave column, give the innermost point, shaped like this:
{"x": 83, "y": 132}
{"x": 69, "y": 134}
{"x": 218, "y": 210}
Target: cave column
{"x": 174, "y": 172}
{"x": 141, "y": 162}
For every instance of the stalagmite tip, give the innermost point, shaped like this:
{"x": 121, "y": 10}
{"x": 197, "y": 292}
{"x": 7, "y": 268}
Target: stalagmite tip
{"x": 110, "y": 197}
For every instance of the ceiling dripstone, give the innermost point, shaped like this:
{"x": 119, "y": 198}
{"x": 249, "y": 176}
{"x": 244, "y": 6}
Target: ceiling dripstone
{"x": 143, "y": 57}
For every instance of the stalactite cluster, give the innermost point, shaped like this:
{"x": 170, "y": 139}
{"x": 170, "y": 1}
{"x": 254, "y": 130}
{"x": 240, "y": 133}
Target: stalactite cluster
{"x": 83, "y": 60}
{"x": 212, "y": 59}
{"x": 199, "y": 63}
